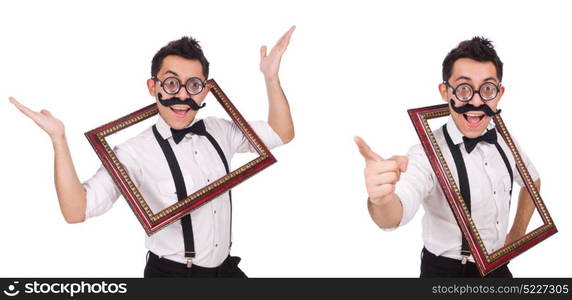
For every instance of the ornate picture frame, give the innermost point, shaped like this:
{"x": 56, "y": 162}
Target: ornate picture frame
{"x": 153, "y": 222}
{"x": 486, "y": 262}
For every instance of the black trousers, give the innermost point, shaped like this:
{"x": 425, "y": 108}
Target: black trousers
{"x": 439, "y": 266}
{"x": 162, "y": 267}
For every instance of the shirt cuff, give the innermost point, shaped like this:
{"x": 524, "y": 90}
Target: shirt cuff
{"x": 268, "y": 136}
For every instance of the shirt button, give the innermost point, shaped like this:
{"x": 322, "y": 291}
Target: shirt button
{"x": 208, "y": 180}
{"x": 195, "y": 152}
{"x": 494, "y": 192}
{"x": 216, "y": 245}
{"x": 486, "y": 164}
{"x": 214, "y": 211}
{"x": 497, "y": 222}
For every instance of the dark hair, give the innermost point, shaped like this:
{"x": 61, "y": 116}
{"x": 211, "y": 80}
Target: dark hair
{"x": 477, "y": 48}
{"x": 186, "y": 47}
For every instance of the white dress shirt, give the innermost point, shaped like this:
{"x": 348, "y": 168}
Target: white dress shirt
{"x": 200, "y": 164}
{"x": 489, "y": 183}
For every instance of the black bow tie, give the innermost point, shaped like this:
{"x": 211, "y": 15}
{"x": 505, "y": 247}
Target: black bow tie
{"x": 197, "y": 128}
{"x": 490, "y": 137}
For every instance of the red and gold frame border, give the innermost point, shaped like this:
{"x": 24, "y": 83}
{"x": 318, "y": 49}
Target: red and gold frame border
{"x": 486, "y": 262}
{"x": 153, "y": 222}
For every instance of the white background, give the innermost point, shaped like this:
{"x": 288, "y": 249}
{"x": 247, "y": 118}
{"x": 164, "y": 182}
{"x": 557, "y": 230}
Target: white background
{"x": 353, "y": 67}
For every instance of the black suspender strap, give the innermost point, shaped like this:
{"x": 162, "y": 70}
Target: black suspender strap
{"x": 181, "y": 194}
{"x": 226, "y": 167}
{"x": 218, "y": 150}
{"x": 463, "y": 184}
{"x": 182, "y": 191}
{"x": 507, "y": 164}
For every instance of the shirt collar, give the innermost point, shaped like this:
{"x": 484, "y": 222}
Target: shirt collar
{"x": 164, "y": 128}
{"x": 455, "y": 133}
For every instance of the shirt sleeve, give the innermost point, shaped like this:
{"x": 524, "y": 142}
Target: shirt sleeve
{"x": 529, "y": 165}
{"x": 101, "y": 190}
{"x": 240, "y": 144}
{"x": 415, "y": 184}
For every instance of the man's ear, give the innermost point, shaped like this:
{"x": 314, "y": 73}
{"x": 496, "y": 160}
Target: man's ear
{"x": 203, "y": 94}
{"x": 501, "y": 91}
{"x": 443, "y": 92}
{"x": 151, "y": 87}
{"x": 207, "y": 89}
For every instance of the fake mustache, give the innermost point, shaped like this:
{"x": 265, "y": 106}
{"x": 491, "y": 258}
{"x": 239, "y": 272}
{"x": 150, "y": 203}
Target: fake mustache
{"x": 176, "y": 100}
{"x": 469, "y": 107}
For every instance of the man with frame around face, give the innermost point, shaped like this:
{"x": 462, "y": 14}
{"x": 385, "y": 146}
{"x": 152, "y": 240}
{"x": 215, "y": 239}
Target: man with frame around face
{"x": 480, "y": 161}
{"x": 177, "y": 155}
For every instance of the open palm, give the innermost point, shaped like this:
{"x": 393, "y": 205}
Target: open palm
{"x": 270, "y": 63}
{"x": 44, "y": 119}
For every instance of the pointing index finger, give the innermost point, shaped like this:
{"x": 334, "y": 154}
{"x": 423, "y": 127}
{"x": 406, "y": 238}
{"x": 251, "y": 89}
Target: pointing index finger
{"x": 366, "y": 151}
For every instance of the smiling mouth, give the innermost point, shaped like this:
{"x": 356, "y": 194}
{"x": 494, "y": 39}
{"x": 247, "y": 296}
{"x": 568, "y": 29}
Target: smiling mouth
{"x": 474, "y": 118}
{"x": 180, "y": 111}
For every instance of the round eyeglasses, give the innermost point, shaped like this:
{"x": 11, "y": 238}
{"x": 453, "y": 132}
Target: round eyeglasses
{"x": 172, "y": 85}
{"x": 464, "y": 92}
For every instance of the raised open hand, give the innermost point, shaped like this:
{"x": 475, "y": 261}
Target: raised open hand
{"x": 44, "y": 119}
{"x": 270, "y": 63}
